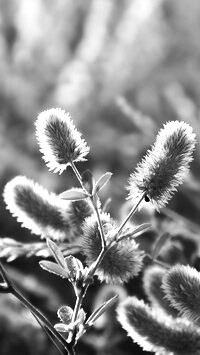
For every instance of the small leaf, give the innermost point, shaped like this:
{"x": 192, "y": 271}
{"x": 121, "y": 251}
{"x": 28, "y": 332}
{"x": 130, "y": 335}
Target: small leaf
{"x": 74, "y": 194}
{"x": 132, "y": 233}
{"x": 75, "y": 267}
{"x": 101, "y": 182}
{"x": 54, "y": 268}
{"x": 56, "y": 252}
{"x": 88, "y": 181}
{"x": 61, "y": 328}
{"x": 81, "y": 316}
{"x": 159, "y": 243}
{"x": 100, "y": 310}
{"x": 65, "y": 314}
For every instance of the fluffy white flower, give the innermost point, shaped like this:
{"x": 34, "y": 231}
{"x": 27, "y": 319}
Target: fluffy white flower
{"x": 42, "y": 212}
{"x": 59, "y": 141}
{"x": 164, "y": 166}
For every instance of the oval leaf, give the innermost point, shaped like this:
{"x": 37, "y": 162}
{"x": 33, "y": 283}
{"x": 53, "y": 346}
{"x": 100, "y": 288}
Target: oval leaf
{"x": 101, "y": 182}
{"x": 54, "y": 268}
{"x": 74, "y": 195}
{"x": 100, "y": 310}
{"x": 56, "y": 252}
{"x": 75, "y": 267}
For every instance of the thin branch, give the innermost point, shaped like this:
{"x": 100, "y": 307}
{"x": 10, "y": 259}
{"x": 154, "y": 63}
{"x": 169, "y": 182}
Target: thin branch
{"x": 131, "y": 213}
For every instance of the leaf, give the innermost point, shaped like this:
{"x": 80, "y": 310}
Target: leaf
{"x": 56, "y": 252}
{"x": 75, "y": 267}
{"x": 159, "y": 243}
{"x": 133, "y": 231}
{"x": 54, "y": 268}
{"x": 61, "y": 328}
{"x": 101, "y": 182}
{"x": 81, "y": 316}
{"x": 100, "y": 310}
{"x": 65, "y": 314}
{"x": 74, "y": 194}
{"x": 88, "y": 181}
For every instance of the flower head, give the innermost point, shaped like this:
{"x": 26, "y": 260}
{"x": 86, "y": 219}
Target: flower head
{"x": 123, "y": 259}
{"x": 165, "y": 164}
{"x": 59, "y": 141}
{"x": 42, "y": 212}
{"x": 158, "y": 333}
{"x": 181, "y": 284}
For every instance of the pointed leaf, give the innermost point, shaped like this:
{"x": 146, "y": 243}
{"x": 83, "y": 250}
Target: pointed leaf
{"x": 100, "y": 310}
{"x": 132, "y": 233}
{"x": 65, "y": 314}
{"x": 56, "y": 252}
{"x": 54, "y": 268}
{"x": 160, "y": 242}
{"x": 101, "y": 182}
{"x": 74, "y": 194}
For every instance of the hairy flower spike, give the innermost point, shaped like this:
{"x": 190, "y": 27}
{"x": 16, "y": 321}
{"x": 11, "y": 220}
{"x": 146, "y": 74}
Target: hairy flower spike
{"x": 165, "y": 164}
{"x": 158, "y": 333}
{"x": 59, "y": 141}
{"x": 43, "y": 213}
{"x": 152, "y": 282}
{"x": 122, "y": 261}
{"x": 181, "y": 285}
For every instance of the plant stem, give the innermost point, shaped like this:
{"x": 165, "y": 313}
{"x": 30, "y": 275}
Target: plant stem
{"x": 94, "y": 205}
{"x": 132, "y": 211}
{"x": 14, "y": 291}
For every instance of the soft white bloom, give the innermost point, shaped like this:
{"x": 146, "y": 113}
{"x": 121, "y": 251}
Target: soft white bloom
{"x": 123, "y": 260}
{"x": 164, "y": 166}
{"x": 158, "y": 333}
{"x": 42, "y": 212}
{"x": 59, "y": 141}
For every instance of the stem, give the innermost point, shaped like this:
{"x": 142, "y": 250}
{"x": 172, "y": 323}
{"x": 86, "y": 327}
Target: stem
{"x": 78, "y": 305}
{"x": 132, "y": 211}
{"x": 48, "y": 333}
{"x": 13, "y": 290}
{"x": 95, "y": 207}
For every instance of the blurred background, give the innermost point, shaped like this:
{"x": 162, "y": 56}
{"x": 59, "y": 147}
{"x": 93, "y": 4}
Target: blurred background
{"x": 121, "y": 68}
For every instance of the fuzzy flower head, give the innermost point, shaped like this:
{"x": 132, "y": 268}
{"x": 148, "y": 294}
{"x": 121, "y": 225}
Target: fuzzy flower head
{"x": 181, "y": 284}
{"x": 44, "y": 213}
{"x": 164, "y": 166}
{"x": 123, "y": 259}
{"x": 160, "y": 334}
{"x": 59, "y": 141}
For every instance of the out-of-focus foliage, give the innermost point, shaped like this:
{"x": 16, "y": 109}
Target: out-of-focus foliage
{"x": 121, "y": 68}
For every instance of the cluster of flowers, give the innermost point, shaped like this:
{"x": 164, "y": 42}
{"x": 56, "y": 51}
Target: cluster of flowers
{"x": 75, "y": 217}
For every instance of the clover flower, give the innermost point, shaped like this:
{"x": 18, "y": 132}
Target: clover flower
{"x": 59, "y": 141}
{"x": 181, "y": 285}
{"x": 164, "y": 166}
{"x": 42, "y": 212}
{"x": 157, "y": 332}
{"x": 123, "y": 259}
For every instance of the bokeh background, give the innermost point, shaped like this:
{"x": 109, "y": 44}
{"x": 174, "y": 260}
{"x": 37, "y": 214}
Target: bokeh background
{"x": 121, "y": 68}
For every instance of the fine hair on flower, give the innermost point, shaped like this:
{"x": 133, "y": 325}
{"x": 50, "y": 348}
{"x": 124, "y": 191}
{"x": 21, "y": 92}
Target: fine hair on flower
{"x": 164, "y": 166}
{"x": 59, "y": 141}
